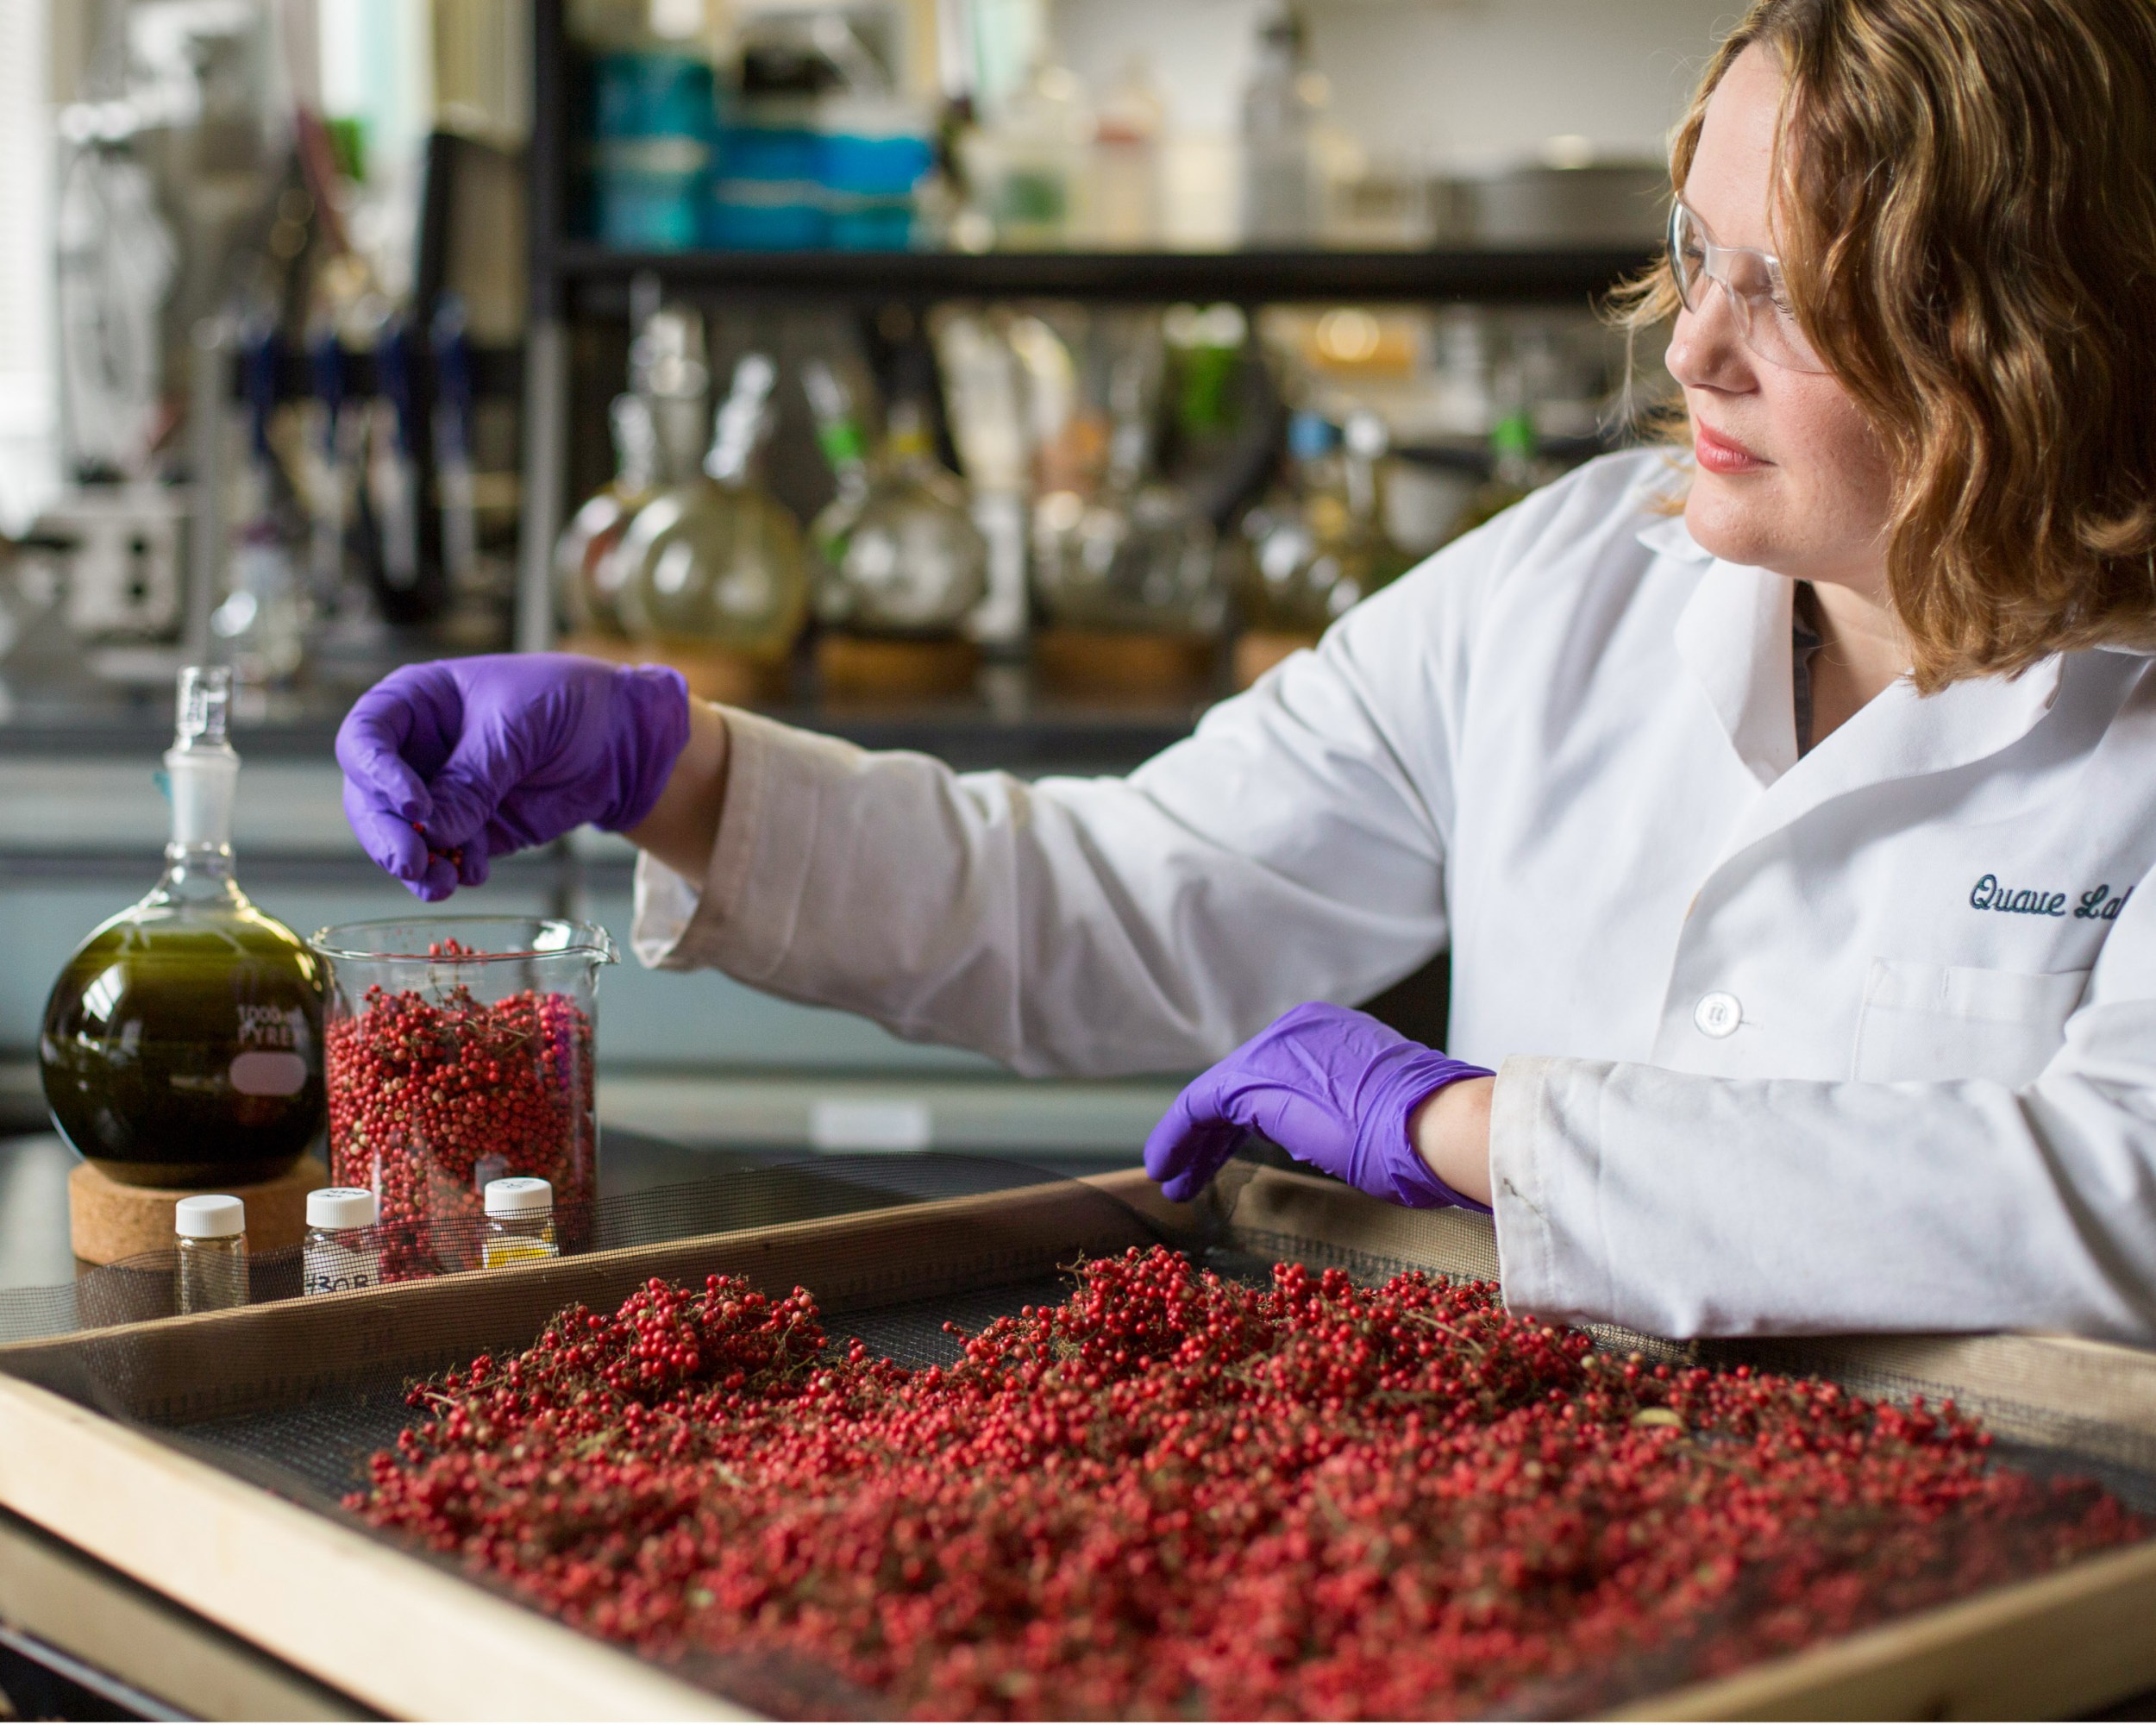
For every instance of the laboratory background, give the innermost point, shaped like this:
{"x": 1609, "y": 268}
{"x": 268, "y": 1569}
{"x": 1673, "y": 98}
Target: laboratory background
{"x": 428, "y": 1310}
{"x": 1102, "y": 353}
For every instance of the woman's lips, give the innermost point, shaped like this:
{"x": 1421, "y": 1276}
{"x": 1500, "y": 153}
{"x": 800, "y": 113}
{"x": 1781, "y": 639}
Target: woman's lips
{"x": 1719, "y": 455}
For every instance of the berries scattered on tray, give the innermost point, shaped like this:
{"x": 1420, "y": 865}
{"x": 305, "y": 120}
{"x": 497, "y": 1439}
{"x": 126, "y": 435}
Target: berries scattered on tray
{"x": 1176, "y": 1495}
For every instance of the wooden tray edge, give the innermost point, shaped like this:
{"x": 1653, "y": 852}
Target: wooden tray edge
{"x": 274, "y": 1572}
{"x": 309, "y": 1589}
{"x": 1975, "y": 1658}
{"x": 2058, "y": 1645}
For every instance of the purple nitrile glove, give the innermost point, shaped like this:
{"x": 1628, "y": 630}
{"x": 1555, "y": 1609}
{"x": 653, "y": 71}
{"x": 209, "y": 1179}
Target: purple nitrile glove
{"x": 450, "y": 764}
{"x": 1332, "y": 1088}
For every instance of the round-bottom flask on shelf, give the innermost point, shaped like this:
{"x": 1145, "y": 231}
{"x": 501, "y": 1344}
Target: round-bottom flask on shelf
{"x": 1316, "y": 548}
{"x": 903, "y": 566}
{"x": 1130, "y": 593}
{"x": 1128, "y": 580}
{"x": 587, "y": 576}
{"x": 717, "y": 581}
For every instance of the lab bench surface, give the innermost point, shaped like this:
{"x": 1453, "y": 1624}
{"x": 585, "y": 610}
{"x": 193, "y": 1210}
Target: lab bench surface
{"x": 1008, "y": 724}
{"x": 80, "y": 1639}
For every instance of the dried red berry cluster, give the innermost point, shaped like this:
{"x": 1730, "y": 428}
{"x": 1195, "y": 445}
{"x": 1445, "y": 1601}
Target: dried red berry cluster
{"x": 453, "y": 855}
{"x": 1177, "y": 1495}
{"x": 431, "y": 1096}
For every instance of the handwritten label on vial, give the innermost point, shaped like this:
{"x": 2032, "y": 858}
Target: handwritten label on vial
{"x": 330, "y": 1268}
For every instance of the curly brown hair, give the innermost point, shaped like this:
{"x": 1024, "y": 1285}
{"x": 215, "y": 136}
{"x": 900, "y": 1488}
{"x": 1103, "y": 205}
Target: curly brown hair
{"x": 1967, "y": 220}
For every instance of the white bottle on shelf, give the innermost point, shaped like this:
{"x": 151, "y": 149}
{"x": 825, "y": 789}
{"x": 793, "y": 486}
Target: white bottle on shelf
{"x": 1281, "y": 106}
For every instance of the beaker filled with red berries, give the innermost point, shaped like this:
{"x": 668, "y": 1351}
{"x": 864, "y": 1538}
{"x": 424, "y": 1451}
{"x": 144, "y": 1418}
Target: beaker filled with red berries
{"x": 458, "y": 1050}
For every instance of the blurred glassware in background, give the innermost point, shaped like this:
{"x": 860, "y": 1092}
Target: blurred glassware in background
{"x": 1318, "y": 545}
{"x": 1516, "y": 467}
{"x": 845, "y": 450}
{"x": 1027, "y": 162}
{"x": 908, "y": 560}
{"x": 1127, "y": 159}
{"x": 1282, "y": 105}
{"x": 719, "y": 577}
{"x": 669, "y": 370}
{"x": 586, "y": 574}
{"x": 657, "y": 427}
{"x": 1139, "y": 558}
{"x": 655, "y": 117}
{"x": 984, "y": 402}
{"x": 901, "y": 566}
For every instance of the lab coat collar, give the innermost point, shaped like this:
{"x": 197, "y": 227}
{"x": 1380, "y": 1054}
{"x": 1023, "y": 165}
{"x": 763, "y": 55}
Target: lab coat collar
{"x": 1670, "y": 537}
{"x": 1901, "y": 735}
{"x": 1735, "y": 637}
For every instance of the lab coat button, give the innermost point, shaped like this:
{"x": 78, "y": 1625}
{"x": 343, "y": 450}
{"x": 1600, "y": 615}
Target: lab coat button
{"x": 1717, "y": 1014}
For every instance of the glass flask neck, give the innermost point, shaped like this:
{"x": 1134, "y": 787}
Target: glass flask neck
{"x": 198, "y": 875}
{"x": 1363, "y": 442}
{"x": 907, "y": 430}
{"x": 1360, "y": 473}
{"x": 1513, "y": 448}
{"x": 739, "y": 427}
{"x": 837, "y": 432}
{"x": 202, "y": 772}
{"x": 636, "y": 443}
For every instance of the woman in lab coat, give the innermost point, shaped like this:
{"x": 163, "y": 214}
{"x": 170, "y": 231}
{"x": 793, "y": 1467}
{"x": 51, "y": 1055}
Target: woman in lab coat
{"x": 1782, "y": 803}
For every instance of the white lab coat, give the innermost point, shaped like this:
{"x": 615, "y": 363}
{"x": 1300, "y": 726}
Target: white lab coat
{"x": 1863, "y": 1040}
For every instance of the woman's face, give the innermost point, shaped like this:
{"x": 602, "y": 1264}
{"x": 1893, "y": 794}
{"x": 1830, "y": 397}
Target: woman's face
{"x": 1790, "y": 477}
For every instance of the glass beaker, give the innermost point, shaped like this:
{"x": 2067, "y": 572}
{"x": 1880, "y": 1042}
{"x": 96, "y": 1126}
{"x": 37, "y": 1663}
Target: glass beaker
{"x": 458, "y": 1050}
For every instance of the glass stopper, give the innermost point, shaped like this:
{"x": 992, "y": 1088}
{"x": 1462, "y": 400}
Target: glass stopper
{"x": 205, "y": 696}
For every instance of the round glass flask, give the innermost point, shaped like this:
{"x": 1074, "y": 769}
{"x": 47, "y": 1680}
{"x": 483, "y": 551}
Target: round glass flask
{"x": 719, "y": 563}
{"x": 907, "y": 559}
{"x": 182, "y": 1042}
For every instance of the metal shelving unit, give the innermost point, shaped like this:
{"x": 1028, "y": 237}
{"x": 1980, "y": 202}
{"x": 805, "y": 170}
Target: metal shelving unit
{"x": 585, "y": 274}
{"x": 574, "y": 280}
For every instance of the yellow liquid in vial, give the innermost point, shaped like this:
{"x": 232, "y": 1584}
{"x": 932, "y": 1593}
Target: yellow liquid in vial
{"x": 501, "y": 1254}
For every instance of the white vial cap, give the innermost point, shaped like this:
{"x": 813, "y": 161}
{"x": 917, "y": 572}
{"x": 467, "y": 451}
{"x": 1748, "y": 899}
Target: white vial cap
{"x": 209, "y": 1218}
{"x": 341, "y": 1207}
{"x": 520, "y": 1195}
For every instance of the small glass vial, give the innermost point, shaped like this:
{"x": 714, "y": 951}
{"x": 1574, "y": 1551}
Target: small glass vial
{"x": 519, "y": 1222}
{"x": 212, "y": 1234}
{"x": 341, "y": 1252}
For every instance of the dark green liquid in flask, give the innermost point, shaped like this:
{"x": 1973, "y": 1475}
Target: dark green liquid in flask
{"x": 182, "y": 1044}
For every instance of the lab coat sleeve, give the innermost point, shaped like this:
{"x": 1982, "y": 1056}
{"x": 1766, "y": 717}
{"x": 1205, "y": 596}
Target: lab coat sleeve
{"x": 1291, "y": 850}
{"x": 1683, "y": 1205}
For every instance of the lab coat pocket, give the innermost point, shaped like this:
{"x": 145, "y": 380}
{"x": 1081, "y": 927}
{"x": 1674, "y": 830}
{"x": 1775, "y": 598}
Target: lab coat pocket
{"x": 1941, "y": 1021}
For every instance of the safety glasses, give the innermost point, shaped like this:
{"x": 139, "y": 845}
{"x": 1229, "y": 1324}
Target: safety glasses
{"x": 1751, "y": 281}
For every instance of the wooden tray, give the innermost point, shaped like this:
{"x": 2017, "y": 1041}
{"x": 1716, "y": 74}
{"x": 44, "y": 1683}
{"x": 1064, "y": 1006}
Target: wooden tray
{"x": 408, "y": 1636}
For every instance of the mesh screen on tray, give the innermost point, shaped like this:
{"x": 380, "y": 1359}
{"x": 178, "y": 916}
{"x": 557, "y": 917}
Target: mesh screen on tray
{"x": 298, "y": 1403}
{"x": 303, "y": 1419}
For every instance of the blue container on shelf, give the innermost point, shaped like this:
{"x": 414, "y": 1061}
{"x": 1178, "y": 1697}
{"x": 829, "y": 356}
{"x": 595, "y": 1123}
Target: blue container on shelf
{"x": 770, "y": 196}
{"x": 652, "y": 149}
{"x": 871, "y": 161}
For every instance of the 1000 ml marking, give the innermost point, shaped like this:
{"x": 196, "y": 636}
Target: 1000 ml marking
{"x": 2097, "y": 905}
